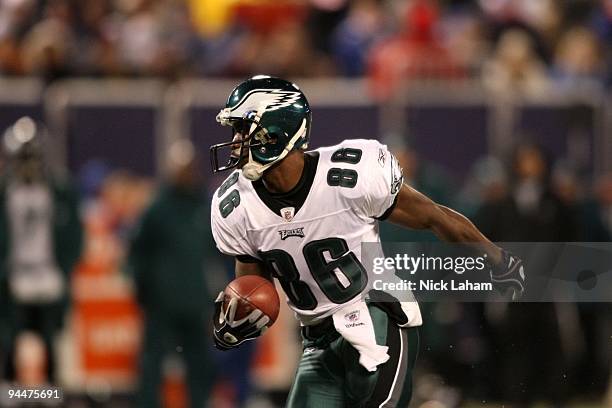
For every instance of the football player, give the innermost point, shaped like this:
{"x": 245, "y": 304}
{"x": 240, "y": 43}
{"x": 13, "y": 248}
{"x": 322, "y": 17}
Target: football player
{"x": 301, "y": 216}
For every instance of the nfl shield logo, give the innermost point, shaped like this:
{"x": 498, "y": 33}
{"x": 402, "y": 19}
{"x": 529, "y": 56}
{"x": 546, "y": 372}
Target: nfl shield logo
{"x": 287, "y": 213}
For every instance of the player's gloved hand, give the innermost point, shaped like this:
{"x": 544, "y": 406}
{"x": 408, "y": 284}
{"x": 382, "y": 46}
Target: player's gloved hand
{"x": 229, "y": 332}
{"x": 509, "y": 275}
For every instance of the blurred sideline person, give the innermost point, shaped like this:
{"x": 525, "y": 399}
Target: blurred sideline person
{"x": 40, "y": 243}
{"x": 167, "y": 257}
{"x": 593, "y": 368}
{"x": 530, "y": 212}
{"x": 597, "y": 212}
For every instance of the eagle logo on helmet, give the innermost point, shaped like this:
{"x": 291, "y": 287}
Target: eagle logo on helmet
{"x": 272, "y": 99}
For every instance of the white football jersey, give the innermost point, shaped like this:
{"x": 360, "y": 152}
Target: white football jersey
{"x": 315, "y": 252}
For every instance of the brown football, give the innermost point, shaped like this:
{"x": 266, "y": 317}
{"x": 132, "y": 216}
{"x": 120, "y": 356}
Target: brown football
{"x": 253, "y": 292}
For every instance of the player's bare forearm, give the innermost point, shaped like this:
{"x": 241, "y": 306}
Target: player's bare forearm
{"x": 417, "y": 211}
{"x": 251, "y": 268}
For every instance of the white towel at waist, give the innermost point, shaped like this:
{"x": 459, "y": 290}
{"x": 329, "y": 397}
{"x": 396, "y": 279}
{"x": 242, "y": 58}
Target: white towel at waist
{"x": 354, "y": 323}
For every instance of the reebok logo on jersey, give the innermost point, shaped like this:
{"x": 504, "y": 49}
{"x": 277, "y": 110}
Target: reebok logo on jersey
{"x": 295, "y": 232}
{"x": 382, "y": 157}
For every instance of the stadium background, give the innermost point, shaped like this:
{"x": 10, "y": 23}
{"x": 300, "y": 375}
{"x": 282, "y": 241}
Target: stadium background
{"x": 452, "y": 86}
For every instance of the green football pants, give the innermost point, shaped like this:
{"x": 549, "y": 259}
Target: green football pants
{"x": 329, "y": 374}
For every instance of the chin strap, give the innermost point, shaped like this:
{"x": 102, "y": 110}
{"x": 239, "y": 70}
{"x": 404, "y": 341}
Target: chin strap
{"x": 253, "y": 170}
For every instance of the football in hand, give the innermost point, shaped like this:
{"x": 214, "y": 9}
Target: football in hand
{"x": 252, "y": 292}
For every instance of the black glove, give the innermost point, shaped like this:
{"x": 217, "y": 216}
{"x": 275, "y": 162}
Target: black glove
{"x": 509, "y": 275}
{"x": 390, "y": 305}
{"x": 228, "y": 332}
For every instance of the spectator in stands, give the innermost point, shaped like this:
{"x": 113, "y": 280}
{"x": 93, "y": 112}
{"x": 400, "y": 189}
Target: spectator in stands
{"x": 285, "y": 51}
{"x": 467, "y": 42}
{"x": 323, "y": 18}
{"x": 541, "y": 23}
{"x": 137, "y": 36}
{"x": 16, "y": 17}
{"x": 351, "y": 41}
{"x": 95, "y": 52}
{"x": 49, "y": 45}
{"x": 274, "y": 40}
{"x": 601, "y": 22}
{"x": 168, "y": 256}
{"x": 414, "y": 54}
{"x": 40, "y": 242}
{"x": 578, "y": 59}
{"x": 514, "y": 66}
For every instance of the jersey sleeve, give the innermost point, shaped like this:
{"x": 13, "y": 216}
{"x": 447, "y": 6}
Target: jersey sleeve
{"x": 228, "y": 238}
{"x": 383, "y": 184}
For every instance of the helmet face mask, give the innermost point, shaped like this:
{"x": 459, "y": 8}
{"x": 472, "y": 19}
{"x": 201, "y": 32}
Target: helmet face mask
{"x": 269, "y": 117}
{"x": 246, "y": 134}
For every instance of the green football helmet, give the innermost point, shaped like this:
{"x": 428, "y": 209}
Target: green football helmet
{"x": 269, "y": 118}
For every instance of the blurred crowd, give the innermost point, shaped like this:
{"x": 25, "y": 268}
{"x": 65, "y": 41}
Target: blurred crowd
{"x": 539, "y": 351}
{"x": 518, "y": 43}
